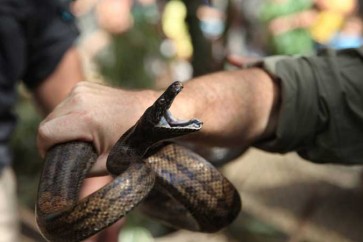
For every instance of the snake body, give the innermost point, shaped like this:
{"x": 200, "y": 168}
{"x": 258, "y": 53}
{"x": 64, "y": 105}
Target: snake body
{"x": 172, "y": 183}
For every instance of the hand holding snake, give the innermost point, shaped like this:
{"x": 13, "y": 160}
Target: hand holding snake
{"x": 187, "y": 190}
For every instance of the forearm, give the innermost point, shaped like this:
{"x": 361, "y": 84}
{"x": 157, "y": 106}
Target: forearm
{"x": 236, "y": 107}
{"x": 58, "y": 85}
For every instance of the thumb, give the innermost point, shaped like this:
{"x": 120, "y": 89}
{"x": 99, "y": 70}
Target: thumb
{"x": 60, "y": 130}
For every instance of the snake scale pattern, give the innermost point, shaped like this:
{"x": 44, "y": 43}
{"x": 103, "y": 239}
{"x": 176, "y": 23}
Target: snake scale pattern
{"x": 169, "y": 182}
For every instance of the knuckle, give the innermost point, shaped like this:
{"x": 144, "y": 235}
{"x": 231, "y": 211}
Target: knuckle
{"x": 80, "y": 88}
{"x": 43, "y": 131}
{"x": 82, "y": 93}
{"x": 87, "y": 118}
{"x": 79, "y": 97}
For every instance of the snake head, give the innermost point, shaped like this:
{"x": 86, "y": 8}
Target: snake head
{"x": 156, "y": 125}
{"x": 159, "y": 119}
{"x": 160, "y": 107}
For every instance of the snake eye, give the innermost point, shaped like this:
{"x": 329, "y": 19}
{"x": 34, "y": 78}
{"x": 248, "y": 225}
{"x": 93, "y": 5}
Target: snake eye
{"x": 162, "y": 101}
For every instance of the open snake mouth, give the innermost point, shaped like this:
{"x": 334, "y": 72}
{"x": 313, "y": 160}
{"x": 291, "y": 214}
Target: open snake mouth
{"x": 162, "y": 118}
{"x": 170, "y": 122}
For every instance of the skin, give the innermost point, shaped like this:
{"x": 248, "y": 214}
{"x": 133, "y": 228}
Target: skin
{"x": 48, "y": 95}
{"x": 237, "y": 108}
{"x": 57, "y": 86}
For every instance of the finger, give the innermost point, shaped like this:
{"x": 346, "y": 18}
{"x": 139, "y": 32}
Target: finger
{"x": 62, "y": 129}
{"x": 62, "y": 109}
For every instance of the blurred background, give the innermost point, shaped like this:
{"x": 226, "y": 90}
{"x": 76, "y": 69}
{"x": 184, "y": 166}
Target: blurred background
{"x": 148, "y": 44}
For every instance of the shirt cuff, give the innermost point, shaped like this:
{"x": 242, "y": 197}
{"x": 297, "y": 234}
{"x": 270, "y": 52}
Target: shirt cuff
{"x": 298, "y": 119}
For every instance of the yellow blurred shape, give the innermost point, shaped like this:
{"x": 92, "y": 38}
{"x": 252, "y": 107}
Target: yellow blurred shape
{"x": 330, "y": 18}
{"x": 174, "y": 27}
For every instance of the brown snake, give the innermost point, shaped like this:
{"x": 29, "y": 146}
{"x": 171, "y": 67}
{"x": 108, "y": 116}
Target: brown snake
{"x": 175, "y": 185}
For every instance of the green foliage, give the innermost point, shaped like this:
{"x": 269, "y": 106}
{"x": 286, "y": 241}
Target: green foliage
{"x": 27, "y": 162}
{"x": 128, "y": 61}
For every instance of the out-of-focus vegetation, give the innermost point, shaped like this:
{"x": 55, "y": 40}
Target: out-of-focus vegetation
{"x": 27, "y": 162}
{"x": 131, "y": 57}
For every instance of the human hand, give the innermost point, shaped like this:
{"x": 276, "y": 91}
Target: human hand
{"x": 95, "y": 113}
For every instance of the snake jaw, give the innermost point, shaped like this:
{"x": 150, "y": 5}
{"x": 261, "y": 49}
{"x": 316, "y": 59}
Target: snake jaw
{"x": 161, "y": 106}
{"x": 157, "y": 119}
{"x": 168, "y": 121}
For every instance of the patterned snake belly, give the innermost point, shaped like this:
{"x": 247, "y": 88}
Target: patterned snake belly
{"x": 170, "y": 182}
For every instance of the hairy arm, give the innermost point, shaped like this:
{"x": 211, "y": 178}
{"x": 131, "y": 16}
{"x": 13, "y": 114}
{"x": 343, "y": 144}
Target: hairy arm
{"x": 237, "y": 108}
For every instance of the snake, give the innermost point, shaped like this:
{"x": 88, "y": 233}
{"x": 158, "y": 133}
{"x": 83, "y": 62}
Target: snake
{"x": 151, "y": 171}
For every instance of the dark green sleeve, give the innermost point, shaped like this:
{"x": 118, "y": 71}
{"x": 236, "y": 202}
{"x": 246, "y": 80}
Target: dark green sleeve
{"x": 321, "y": 115}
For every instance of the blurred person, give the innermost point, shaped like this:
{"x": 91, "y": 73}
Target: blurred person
{"x": 287, "y": 26}
{"x": 212, "y": 21}
{"x": 349, "y": 36}
{"x": 99, "y": 21}
{"x": 114, "y": 16}
{"x": 177, "y": 45}
{"x": 246, "y": 34}
{"x": 330, "y": 17}
{"x": 176, "y": 30}
{"x": 37, "y": 47}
